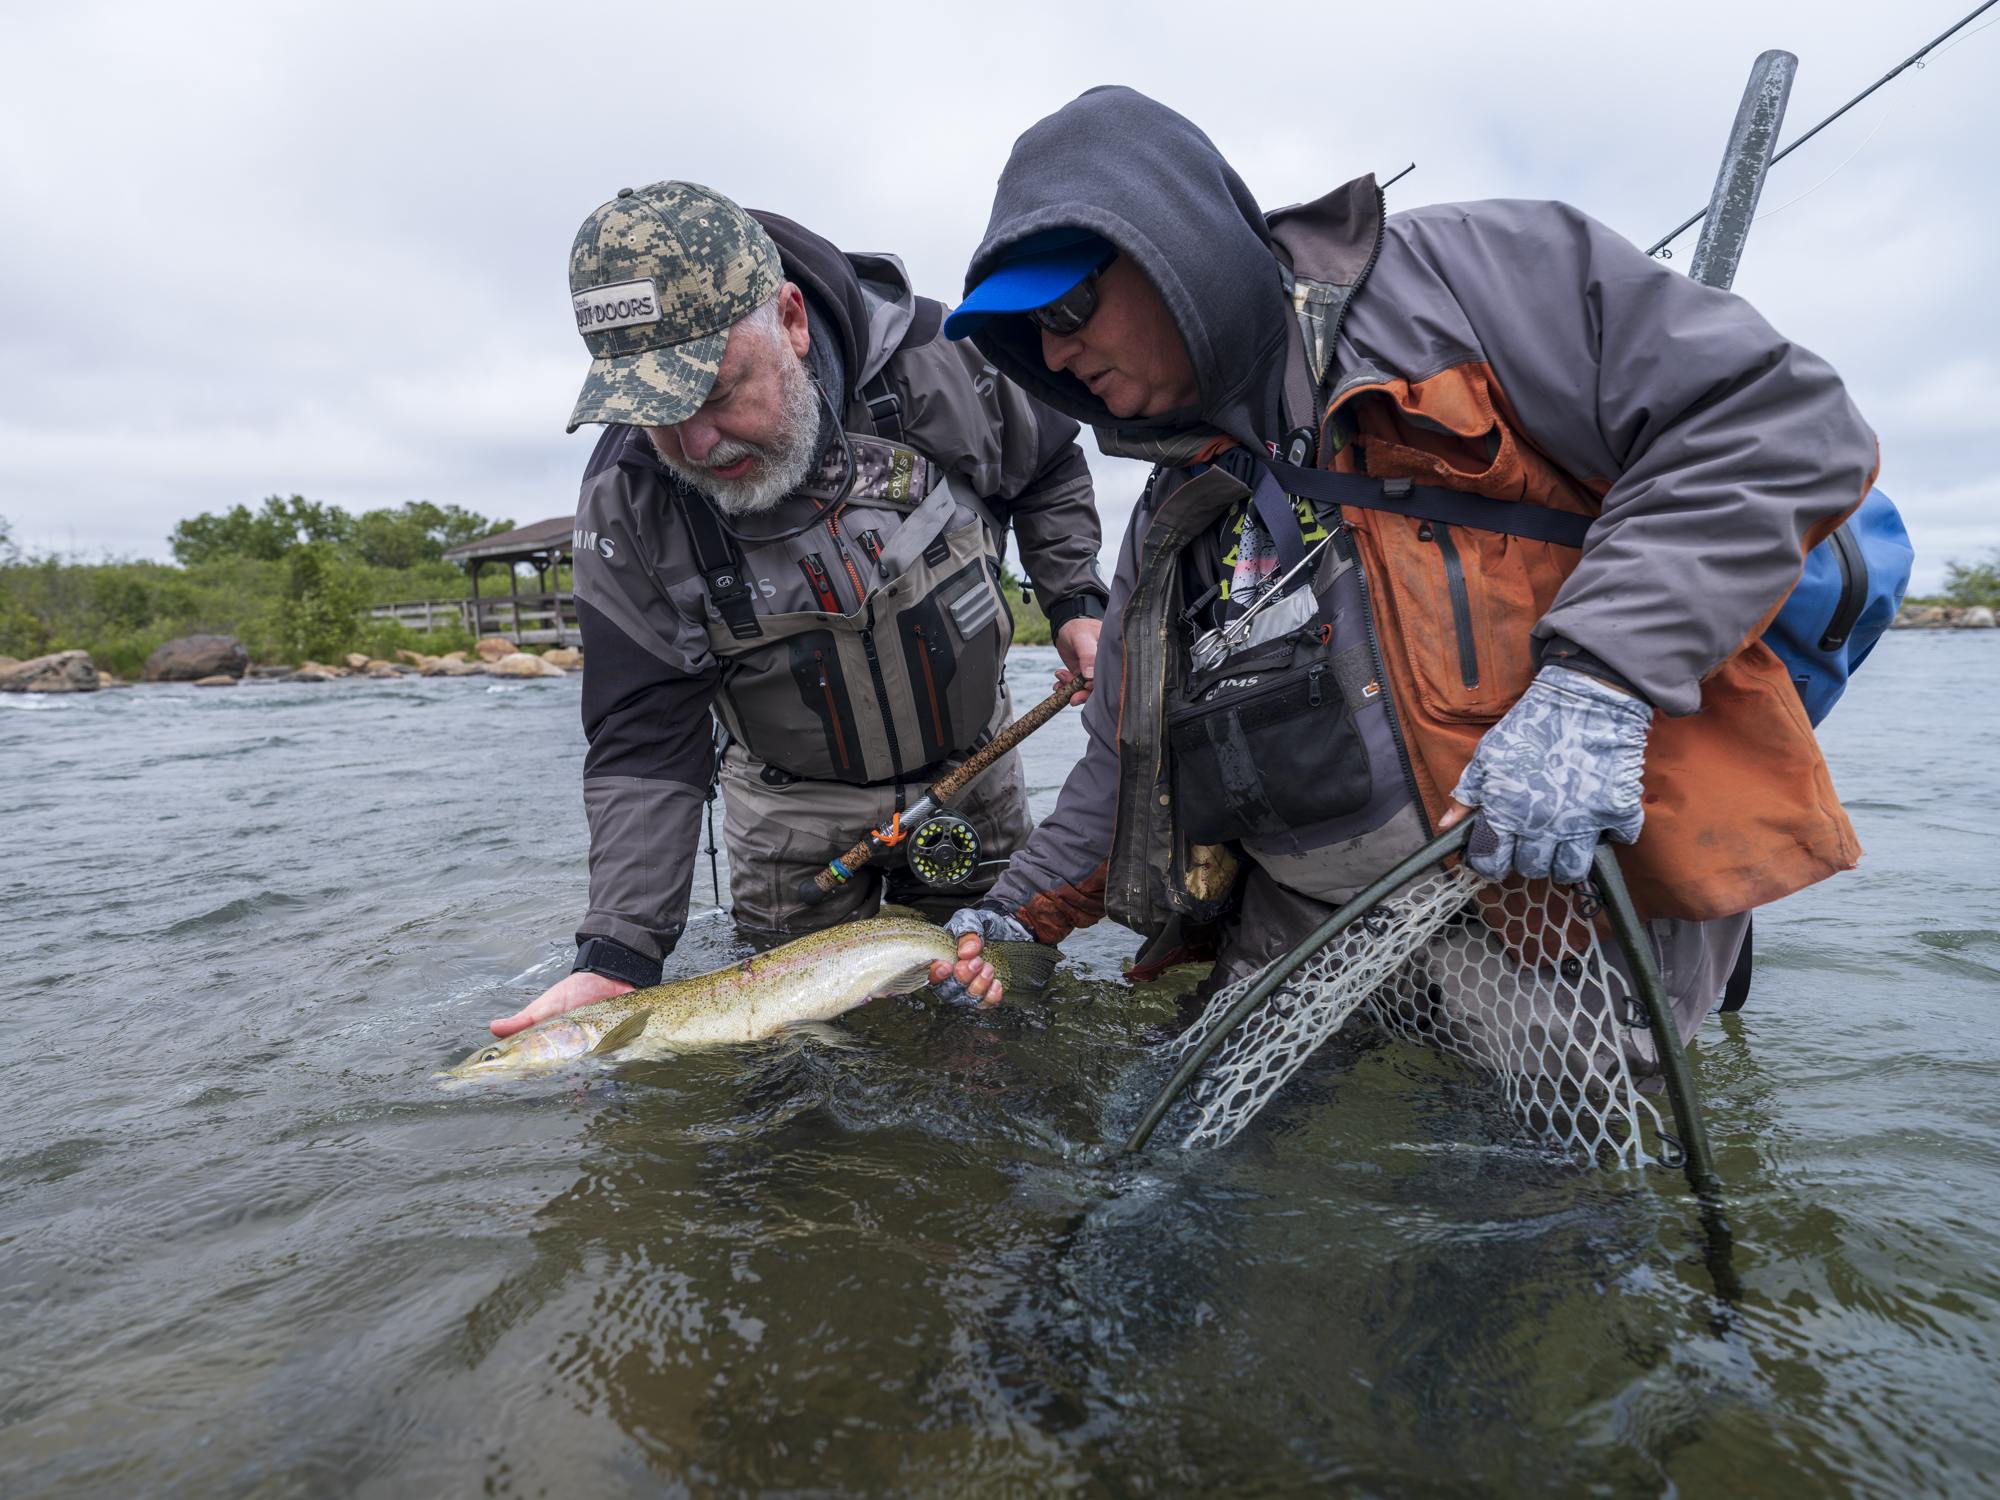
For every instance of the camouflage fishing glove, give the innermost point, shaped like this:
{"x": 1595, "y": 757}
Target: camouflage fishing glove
{"x": 992, "y": 927}
{"x": 1562, "y": 767}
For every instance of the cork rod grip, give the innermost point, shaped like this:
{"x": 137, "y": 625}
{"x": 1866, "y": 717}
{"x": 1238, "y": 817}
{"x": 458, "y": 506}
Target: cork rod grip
{"x": 941, "y": 792}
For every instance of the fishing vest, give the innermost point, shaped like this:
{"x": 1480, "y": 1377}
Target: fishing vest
{"x": 901, "y": 664}
{"x": 1326, "y": 749}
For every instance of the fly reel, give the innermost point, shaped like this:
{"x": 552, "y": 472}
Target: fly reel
{"x": 944, "y": 850}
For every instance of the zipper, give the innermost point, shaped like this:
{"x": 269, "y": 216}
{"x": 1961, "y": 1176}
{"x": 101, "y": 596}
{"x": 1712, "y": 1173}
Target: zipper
{"x": 821, "y": 583}
{"x": 882, "y": 702}
{"x": 1461, "y": 601}
{"x": 1853, "y": 589}
{"x": 832, "y": 710}
{"x": 924, "y": 649}
{"x": 840, "y": 545}
{"x": 1388, "y": 698}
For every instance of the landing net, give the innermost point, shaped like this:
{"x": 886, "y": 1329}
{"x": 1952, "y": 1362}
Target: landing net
{"x": 1510, "y": 978}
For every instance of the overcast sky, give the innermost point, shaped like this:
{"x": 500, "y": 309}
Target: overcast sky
{"x": 320, "y": 248}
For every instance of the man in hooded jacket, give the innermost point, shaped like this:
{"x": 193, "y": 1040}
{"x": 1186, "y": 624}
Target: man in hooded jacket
{"x": 1574, "y": 488}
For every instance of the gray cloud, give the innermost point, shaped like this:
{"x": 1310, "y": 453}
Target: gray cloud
{"x": 255, "y": 249}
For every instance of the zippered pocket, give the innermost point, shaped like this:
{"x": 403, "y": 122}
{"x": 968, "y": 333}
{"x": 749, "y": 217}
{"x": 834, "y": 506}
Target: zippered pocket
{"x": 1263, "y": 753}
{"x": 1460, "y": 606}
{"x": 822, "y": 690}
{"x": 1461, "y": 601}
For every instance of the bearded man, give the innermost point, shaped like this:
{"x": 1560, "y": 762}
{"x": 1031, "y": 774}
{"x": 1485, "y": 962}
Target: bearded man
{"x": 795, "y": 519}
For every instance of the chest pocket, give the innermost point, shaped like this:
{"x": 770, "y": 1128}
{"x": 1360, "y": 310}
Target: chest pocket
{"x": 1263, "y": 751}
{"x": 952, "y": 647}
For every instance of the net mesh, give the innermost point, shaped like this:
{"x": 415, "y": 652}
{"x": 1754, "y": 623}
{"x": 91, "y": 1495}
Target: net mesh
{"x": 1511, "y": 978}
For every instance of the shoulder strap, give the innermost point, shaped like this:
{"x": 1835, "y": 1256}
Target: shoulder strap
{"x": 1404, "y": 497}
{"x": 885, "y": 407}
{"x": 720, "y": 564}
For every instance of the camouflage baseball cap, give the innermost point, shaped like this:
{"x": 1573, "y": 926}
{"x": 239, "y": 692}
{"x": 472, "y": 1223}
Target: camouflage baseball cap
{"x": 657, "y": 276}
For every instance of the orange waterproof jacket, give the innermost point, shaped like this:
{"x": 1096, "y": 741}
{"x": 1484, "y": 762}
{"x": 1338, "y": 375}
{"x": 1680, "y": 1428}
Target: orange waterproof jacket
{"x": 1740, "y": 808}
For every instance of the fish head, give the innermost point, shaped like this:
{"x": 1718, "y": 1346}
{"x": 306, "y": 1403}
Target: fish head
{"x": 548, "y": 1045}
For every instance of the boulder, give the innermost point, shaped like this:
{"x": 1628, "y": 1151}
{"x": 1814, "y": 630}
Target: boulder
{"x": 9, "y": 661}
{"x": 196, "y": 656}
{"x": 563, "y": 657}
{"x": 1979, "y": 617}
{"x": 357, "y": 660}
{"x": 411, "y": 657}
{"x": 219, "y": 680}
{"x": 382, "y": 669}
{"x": 270, "y": 674}
{"x": 494, "y": 647}
{"x": 446, "y": 667}
{"x": 311, "y": 673}
{"x": 452, "y": 656}
{"x": 63, "y": 672}
{"x": 106, "y": 680}
{"x": 319, "y": 666}
{"x": 521, "y": 664}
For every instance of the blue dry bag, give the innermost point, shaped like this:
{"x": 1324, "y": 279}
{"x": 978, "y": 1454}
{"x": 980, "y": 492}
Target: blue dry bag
{"x": 1851, "y": 589}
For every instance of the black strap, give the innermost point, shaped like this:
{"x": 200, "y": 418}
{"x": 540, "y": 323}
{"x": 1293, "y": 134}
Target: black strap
{"x": 885, "y": 407}
{"x": 1404, "y": 497}
{"x": 1737, "y": 990}
{"x": 720, "y": 563}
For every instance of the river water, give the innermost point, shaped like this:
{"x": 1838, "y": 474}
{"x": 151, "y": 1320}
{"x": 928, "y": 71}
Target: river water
{"x": 247, "y": 1248}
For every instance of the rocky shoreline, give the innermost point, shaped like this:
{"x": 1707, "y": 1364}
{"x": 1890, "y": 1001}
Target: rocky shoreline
{"x": 1943, "y": 617}
{"x": 221, "y": 661}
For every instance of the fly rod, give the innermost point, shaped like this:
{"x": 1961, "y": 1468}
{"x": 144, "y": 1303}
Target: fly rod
{"x": 1911, "y": 61}
{"x": 816, "y": 888}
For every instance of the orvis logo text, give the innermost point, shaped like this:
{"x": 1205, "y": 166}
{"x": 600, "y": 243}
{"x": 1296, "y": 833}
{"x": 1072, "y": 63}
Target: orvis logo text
{"x": 590, "y": 541}
{"x": 616, "y": 304}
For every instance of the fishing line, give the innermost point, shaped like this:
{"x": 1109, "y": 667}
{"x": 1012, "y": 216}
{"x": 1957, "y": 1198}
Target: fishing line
{"x": 1915, "y": 59}
{"x": 1903, "y": 89}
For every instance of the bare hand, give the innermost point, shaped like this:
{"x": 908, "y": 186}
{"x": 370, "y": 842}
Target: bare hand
{"x": 971, "y": 970}
{"x": 1076, "y": 643}
{"x": 565, "y": 994}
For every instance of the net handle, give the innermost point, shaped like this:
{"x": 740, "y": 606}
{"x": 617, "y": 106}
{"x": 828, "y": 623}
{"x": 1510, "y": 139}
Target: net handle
{"x": 1449, "y": 842}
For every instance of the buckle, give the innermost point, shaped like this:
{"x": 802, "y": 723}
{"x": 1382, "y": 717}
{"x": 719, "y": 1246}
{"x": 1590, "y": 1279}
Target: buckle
{"x": 1397, "y": 489}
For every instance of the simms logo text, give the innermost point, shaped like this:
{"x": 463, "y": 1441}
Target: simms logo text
{"x": 617, "y": 304}
{"x": 590, "y": 541}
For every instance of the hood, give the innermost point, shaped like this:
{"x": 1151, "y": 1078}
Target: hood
{"x": 1115, "y": 162}
{"x": 866, "y": 295}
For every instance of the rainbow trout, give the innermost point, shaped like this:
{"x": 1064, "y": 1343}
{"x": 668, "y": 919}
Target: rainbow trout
{"x": 809, "y": 979}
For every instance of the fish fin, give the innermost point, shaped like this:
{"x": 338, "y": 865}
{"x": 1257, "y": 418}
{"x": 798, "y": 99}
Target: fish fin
{"x": 908, "y": 913}
{"x": 826, "y": 1035}
{"x": 623, "y": 1034}
{"x": 1024, "y": 966}
{"x": 913, "y": 978}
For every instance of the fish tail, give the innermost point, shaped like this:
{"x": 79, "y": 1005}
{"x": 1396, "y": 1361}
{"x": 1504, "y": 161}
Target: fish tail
{"x": 1023, "y": 966}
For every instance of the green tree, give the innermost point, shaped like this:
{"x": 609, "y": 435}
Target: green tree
{"x": 1978, "y": 583}
{"x": 316, "y": 617}
{"x": 417, "y": 533}
{"x": 265, "y": 535}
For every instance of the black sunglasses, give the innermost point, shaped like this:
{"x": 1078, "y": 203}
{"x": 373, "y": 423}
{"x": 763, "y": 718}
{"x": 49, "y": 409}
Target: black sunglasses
{"x": 1073, "y": 308}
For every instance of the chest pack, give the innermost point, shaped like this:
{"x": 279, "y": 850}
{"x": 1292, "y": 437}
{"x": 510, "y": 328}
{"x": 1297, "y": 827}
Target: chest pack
{"x": 885, "y": 652}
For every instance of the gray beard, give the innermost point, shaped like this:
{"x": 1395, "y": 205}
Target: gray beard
{"x": 782, "y": 465}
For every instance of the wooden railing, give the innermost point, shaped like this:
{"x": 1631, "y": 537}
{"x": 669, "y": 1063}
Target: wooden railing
{"x": 524, "y": 619}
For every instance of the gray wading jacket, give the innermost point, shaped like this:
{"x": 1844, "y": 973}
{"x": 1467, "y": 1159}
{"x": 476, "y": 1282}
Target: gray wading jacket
{"x": 801, "y": 693}
{"x": 1717, "y": 442}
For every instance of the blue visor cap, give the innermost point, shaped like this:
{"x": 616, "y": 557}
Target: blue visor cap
{"x": 1041, "y": 269}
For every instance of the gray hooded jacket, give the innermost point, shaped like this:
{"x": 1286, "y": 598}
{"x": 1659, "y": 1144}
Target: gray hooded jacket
{"x": 1720, "y": 442}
